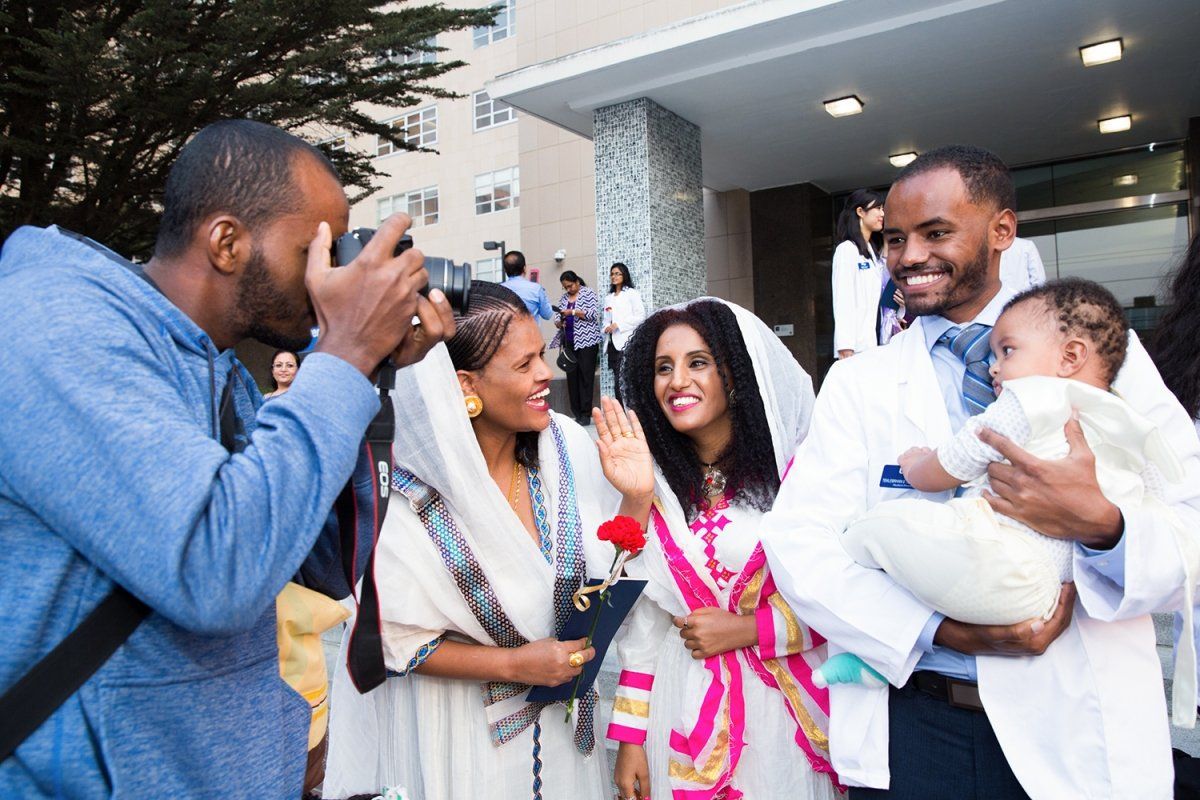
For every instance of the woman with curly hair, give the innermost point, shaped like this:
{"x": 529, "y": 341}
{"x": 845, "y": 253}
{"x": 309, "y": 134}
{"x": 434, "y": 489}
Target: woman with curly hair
{"x": 719, "y": 710}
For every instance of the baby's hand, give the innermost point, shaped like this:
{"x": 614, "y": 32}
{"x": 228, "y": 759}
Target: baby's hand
{"x": 912, "y": 455}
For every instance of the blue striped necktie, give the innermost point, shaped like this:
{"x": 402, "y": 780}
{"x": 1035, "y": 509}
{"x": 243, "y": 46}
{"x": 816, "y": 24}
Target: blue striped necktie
{"x": 970, "y": 344}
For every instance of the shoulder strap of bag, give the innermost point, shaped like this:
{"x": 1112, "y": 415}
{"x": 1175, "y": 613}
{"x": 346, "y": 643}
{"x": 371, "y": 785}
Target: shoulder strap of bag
{"x": 60, "y": 673}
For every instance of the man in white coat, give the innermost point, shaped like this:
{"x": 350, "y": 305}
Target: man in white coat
{"x": 1070, "y": 707}
{"x": 1021, "y": 266}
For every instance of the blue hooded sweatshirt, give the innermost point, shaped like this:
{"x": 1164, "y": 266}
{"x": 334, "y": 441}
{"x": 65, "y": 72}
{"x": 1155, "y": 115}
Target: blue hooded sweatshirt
{"x": 110, "y": 471}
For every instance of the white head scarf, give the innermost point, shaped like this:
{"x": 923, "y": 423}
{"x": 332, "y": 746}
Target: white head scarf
{"x": 787, "y": 397}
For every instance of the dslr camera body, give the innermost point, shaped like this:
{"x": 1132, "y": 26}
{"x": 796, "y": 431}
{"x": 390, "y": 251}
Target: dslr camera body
{"x": 453, "y": 279}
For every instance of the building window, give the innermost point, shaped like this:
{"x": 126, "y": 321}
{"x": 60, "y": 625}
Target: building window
{"x": 497, "y": 191}
{"x": 503, "y": 26}
{"x": 488, "y": 269}
{"x": 418, "y": 129}
{"x": 421, "y": 205}
{"x": 334, "y": 142}
{"x": 489, "y": 113}
{"x": 422, "y": 53}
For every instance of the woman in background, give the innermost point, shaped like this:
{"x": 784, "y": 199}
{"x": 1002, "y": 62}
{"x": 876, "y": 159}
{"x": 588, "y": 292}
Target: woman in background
{"x": 715, "y": 698}
{"x": 284, "y": 366}
{"x": 623, "y": 311}
{"x": 1177, "y": 340}
{"x": 1177, "y": 355}
{"x": 859, "y": 274}
{"x": 578, "y": 323}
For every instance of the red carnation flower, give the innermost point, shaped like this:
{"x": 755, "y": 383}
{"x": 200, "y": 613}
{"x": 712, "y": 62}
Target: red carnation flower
{"x": 625, "y": 533}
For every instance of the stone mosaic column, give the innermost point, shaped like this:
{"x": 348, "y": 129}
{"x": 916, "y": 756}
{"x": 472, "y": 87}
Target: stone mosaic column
{"x": 649, "y": 205}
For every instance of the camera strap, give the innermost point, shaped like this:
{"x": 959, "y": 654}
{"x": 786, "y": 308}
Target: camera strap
{"x": 361, "y": 508}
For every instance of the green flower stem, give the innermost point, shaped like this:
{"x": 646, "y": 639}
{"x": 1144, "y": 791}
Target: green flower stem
{"x": 601, "y": 600}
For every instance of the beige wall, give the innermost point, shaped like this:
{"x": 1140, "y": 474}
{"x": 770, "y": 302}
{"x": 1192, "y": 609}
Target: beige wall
{"x": 557, "y": 172}
{"x": 727, "y": 246}
{"x": 558, "y": 168}
{"x": 462, "y": 154}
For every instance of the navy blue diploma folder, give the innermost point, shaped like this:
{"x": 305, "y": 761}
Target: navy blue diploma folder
{"x": 621, "y": 597}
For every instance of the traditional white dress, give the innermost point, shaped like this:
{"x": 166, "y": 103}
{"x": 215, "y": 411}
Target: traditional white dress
{"x": 748, "y": 723}
{"x": 455, "y": 562}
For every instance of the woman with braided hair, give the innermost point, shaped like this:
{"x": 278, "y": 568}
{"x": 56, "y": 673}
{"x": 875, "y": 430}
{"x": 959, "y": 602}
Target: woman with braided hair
{"x": 721, "y": 705}
{"x": 491, "y": 528}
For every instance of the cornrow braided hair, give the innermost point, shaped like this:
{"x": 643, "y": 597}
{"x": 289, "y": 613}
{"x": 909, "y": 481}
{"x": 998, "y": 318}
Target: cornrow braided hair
{"x": 1085, "y": 309}
{"x": 749, "y": 460}
{"x": 480, "y": 331}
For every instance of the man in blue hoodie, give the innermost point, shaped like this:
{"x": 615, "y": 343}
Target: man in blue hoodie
{"x": 112, "y": 469}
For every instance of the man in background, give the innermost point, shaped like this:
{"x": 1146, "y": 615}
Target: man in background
{"x": 532, "y": 294}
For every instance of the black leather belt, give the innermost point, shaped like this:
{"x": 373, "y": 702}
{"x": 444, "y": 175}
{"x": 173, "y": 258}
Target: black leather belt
{"x": 960, "y": 694}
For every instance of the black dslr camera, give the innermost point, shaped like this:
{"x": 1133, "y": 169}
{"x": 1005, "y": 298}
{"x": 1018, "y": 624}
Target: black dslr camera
{"x": 453, "y": 279}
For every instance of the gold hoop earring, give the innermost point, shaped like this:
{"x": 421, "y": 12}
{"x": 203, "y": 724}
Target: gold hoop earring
{"x": 474, "y": 404}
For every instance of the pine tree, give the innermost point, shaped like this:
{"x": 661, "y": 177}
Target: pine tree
{"x": 97, "y": 97}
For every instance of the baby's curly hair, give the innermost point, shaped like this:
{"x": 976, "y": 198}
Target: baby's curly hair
{"x": 1085, "y": 309}
{"x": 749, "y": 460}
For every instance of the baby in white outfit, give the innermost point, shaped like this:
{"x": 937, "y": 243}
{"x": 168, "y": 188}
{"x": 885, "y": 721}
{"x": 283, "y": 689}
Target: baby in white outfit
{"x": 1056, "y": 350}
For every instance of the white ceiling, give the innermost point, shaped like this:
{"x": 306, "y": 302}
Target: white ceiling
{"x": 1003, "y": 74}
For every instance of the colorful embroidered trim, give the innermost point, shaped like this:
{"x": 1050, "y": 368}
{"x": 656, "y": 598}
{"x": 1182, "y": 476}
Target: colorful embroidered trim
{"x": 704, "y": 758}
{"x": 631, "y": 707}
{"x": 708, "y": 526}
{"x": 541, "y": 518}
{"x": 423, "y": 653}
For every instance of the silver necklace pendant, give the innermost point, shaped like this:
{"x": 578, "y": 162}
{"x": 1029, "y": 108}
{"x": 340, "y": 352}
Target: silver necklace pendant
{"x": 714, "y": 481}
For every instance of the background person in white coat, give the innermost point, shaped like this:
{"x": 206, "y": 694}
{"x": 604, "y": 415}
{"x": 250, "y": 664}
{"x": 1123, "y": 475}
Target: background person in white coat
{"x": 1021, "y": 266}
{"x": 858, "y": 274}
{"x": 623, "y": 311}
{"x": 1067, "y": 708}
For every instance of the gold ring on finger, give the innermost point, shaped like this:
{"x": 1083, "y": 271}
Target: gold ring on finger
{"x": 627, "y": 434}
{"x": 576, "y": 659}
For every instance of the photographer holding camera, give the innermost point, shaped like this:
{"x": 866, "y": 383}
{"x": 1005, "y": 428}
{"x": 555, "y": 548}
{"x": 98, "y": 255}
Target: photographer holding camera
{"x": 139, "y": 470}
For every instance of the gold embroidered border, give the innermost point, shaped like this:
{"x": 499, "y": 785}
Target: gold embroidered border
{"x": 634, "y": 708}
{"x": 813, "y": 732}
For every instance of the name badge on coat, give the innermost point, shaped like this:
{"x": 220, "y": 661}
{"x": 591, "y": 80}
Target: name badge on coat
{"x": 864, "y": 265}
{"x": 892, "y": 478}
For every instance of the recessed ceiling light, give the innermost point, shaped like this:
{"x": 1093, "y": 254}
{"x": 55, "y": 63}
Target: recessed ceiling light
{"x": 902, "y": 159}
{"x": 844, "y": 106}
{"x": 1126, "y": 180}
{"x": 1101, "y": 52}
{"x": 1115, "y": 124}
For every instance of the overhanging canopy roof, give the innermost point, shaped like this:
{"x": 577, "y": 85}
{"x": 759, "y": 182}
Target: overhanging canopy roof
{"x": 1003, "y": 74}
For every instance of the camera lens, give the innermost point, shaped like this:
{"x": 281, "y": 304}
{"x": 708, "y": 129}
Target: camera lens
{"x": 453, "y": 279}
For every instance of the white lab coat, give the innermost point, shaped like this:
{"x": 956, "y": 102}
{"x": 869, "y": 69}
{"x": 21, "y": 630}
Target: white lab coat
{"x": 857, "y": 285}
{"x": 627, "y": 311}
{"x": 1085, "y": 720}
{"x": 1021, "y": 266}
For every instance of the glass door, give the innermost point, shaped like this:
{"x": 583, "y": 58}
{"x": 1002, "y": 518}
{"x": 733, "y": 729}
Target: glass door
{"x": 1131, "y": 252}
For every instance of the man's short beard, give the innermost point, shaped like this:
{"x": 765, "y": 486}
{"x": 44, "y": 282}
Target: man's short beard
{"x": 262, "y": 309}
{"x": 972, "y": 278}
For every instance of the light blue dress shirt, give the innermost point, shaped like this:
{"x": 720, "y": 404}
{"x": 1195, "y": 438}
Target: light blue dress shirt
{"x": 533, "y": 295}
{"x": 949, "y": 370}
